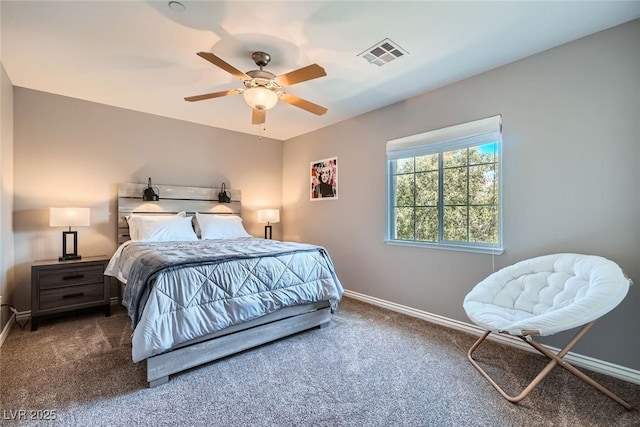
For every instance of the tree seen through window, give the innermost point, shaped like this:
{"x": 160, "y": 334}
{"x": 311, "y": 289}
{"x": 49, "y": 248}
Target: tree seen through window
{"x": 448, "y": 196}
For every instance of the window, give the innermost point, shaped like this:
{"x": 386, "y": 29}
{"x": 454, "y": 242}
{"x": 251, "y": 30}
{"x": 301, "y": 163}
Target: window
{"x": 444, "y": 187}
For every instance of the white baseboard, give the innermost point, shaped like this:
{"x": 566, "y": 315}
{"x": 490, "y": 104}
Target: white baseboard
{"x": 6, "y": 329}
{"x": 596, "y": 365}
{"x": 24, "y": 315}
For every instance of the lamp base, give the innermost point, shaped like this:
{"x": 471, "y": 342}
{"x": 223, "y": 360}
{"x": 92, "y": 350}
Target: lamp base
{"x": 69, "y": 257}
{"x": 267, "y": 228}
{"x": 66, "y": 254}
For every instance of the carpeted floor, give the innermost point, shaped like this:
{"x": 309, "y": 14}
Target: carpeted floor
{"x": 370, "y": 367}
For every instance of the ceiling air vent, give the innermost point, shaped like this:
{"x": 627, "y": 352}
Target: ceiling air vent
{"x": 383, "y": 52}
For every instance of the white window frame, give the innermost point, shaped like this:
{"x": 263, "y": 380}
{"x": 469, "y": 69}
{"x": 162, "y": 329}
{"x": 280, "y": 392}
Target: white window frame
{"x": 465, "y": 135}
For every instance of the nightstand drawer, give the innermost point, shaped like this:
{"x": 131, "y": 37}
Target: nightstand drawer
{"x": 60, "y": 297}
{"x": 58, "y": 287}
{"x": 81, "y": 275}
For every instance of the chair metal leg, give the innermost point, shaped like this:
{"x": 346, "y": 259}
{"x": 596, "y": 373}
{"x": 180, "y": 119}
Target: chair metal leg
{"x": 555, "y": 359}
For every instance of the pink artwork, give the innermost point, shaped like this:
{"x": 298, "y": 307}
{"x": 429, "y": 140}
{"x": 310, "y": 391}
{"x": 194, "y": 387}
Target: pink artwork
{"x": 324, "y": 179}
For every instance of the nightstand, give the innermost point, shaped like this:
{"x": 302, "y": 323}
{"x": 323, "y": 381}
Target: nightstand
{"x": 63, "y": 286}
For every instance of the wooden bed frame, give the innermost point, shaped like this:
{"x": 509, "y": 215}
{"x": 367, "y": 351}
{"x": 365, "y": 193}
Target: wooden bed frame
{"x": 283, "y": 323}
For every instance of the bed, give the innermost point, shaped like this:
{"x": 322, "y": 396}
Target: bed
{"x": 198, "y": 288}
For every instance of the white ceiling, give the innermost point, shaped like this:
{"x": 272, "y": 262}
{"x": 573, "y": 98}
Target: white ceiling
{"x": 141, "y": 55}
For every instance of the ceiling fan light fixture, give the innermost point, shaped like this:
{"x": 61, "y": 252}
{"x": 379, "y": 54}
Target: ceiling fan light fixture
{"x": 260, "y": 98}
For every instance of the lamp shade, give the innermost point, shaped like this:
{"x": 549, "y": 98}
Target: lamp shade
{"x": 69, "y": 217}
{"x": 260, "y": 98}
{"x": 268, "y": 215}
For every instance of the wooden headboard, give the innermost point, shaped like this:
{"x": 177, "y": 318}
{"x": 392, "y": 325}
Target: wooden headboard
{"x": 173, "y": 199}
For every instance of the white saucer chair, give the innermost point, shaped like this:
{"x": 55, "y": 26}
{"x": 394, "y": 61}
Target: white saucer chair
{"x": 542, "y": 296}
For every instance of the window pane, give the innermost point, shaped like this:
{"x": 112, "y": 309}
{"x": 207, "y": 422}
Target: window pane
{"x": 483, "y": 224}
{"x": 405, "y": 190}
{"x": 427, "y": 224}
{"x": 455, "y": 186}
{"x": 486, "y": 153}
{"x": 404, "y": 223}
{"x": 427, "y": 163}
{"x": 427, "y": 188}
{"x": 404, "y": 165}
{"x": 482, "y": 185}
{"x": 455, "y": 223}
{"x": 454, "y": 158}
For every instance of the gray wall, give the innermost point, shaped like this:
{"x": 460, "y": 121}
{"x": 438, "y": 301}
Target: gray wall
{"x": 6, "y": 195}
{"x": 571, "y": 182}
{"x": 69, "y": 152}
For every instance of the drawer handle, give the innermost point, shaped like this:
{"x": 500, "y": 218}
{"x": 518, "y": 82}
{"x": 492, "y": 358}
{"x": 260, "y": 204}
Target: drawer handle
{"x": 77, "y": 294}
{"x": 73, "y": 276}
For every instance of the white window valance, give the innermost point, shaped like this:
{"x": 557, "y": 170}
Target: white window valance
{"x": 465, "y": 134}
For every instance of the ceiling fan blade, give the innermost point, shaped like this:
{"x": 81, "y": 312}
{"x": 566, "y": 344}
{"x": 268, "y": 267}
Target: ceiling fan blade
{"x": 258, "y": 116}
{"x": 213, "y": 95}
{"x": 302, "y": 103}
{"x": 224, "y": 65}
{"x": 303, "y": 74}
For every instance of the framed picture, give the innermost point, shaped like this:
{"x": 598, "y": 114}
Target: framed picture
{"x": 324, "y": 179}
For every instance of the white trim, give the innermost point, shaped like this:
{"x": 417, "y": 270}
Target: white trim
{"x": 23, "y": 315}
{"x": 443, "y": 246}
{"x": 6, "y": 329}
{"x": 447, "y": 134}
{"x": 595, "y": 365}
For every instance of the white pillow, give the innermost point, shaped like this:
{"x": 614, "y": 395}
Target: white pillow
{"x": 173, "y": 230}
{"x": 220, "y": 226}
{"x": 135, "y": 221}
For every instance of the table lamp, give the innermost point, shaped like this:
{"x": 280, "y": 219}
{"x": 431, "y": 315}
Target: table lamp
{"x": 69, "y": 217}
{"x": 268, "y": 216}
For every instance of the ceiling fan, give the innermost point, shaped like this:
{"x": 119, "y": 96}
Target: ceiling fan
{"x": 262, "y": 89}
